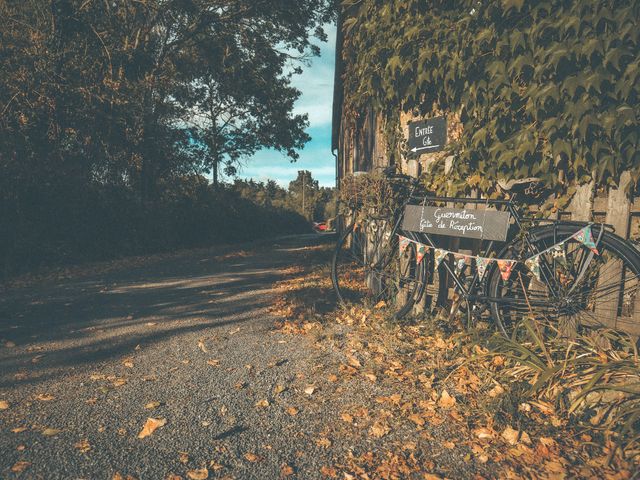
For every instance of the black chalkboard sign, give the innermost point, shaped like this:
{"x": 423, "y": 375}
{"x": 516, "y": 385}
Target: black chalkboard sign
{"x": 456, "y": 222}
{"x": 427, "y": 135}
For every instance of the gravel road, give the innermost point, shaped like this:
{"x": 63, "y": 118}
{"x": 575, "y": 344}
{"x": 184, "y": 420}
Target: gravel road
{"x": 189, "y": 335}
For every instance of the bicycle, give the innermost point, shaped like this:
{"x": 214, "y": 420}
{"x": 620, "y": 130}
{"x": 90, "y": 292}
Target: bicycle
{"x": 543, "y": 270}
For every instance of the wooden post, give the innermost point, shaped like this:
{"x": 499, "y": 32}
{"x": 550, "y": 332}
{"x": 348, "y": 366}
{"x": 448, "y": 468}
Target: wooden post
{"x": 618, "y": 212}
{"x": 581, "y": 205}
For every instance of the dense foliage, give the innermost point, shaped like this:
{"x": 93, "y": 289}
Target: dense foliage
{"x": 108, "y": 108}
{"x": 544, "y": 88}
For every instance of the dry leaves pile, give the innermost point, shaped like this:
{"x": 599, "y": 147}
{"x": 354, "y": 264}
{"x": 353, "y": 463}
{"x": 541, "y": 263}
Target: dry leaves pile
{"x": 469, "y": 395}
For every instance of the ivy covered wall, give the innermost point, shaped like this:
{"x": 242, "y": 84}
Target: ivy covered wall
{"x": 544, "y": 89}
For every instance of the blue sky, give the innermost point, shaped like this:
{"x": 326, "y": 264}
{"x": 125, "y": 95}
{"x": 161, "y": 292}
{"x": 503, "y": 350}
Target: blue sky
{"x": 316, "y": 85}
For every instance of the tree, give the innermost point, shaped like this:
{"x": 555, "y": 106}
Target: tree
{"x": 304, "y": 191}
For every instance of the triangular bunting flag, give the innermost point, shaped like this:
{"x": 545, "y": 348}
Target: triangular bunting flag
{"x": 421, "y": 251}
{"x": 482, "y": 264}
{"x": 506, "y": 266}
{"x": 585, "y": 237}
{"x": 439, "y": 255}
{"x": 460, "y": 263}
{"x": 533, "y": 264}
{"x": 403, "y": 243}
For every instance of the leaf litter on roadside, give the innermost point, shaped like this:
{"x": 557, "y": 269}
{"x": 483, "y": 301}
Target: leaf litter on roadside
{"x": 150, "y": 426}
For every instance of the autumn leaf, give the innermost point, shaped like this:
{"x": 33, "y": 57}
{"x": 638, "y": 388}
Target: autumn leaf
{"x": 323, "y": 442}
{"x": 446, "y": 400}
{"x": 128, "y": 362}
{"x": 278, "y": 389}
{"x": 251, "y": 457}
{"x": 200, "y": 474}
{"x": 45, "y": 397}
{"x": 151, "y": 425}
{"x": 202, "y": 347}
{"x": 379, "y": 429}
{"x": 213, "y": 362}
{"x": 50, "y": 432}
{"x": 448, "y": 444}
{"x": 293, "y": 411}
{"x": 286, "y": 471}
{"x": 4, "y": 404}
{"x": 329, "y": 472}
{"x": 417, "y": 419}
{"x": 310, "y": 389}
{"x": 332, "y": 378}
{"x": 118, "y": 382}
{"x": 347, "y": 418}
{"x": 495, "y": 391}
{"x": 371, "y": 377}
{"x": 264, "y": 403}
{"x": 83, "y": 445}
{"x": 20, "y": 466}
{"x": 354, "y": 362}
{"x": 19, "y": 429}
{"x": 152, "y": 405}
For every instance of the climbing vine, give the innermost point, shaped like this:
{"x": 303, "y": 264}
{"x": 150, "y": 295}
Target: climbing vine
{"x": 546, "y": 89}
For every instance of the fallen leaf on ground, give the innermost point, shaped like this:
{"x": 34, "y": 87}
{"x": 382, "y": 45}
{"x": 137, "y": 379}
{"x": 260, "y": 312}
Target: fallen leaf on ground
{"x": 292, "y": 411}
{"x": 279, "y": 389}
{"x": 213, "y": 465}
{"x": 45, "y": 397}
{"x": 446, "y": 400}
{"x": 329, "y": 472}
{"x": 118, "y": 476}
{"x": 20, "y": 466}
{"x": 18, "y": 429}
{"x": 310, "y": 389}
{"x": 371, "y": 377}
{"x": 200, "y": 474}
{"x": 347, "y": 418}
{"x": 50, "y": 432}
{"x": 264, "y": 403}
{"x": 184, "y": 457}
{"x": 354, "y": 362}
{"x": 286, "y": 471}
{"x": 151, "y": 425}
{"x": 118, "y": 382}
{"x": 202, "y": 347}
{"x": 323, "y": 442}
{"x": 379, "y": 429}
{"x": 251, "y": 457}
{"x": 152, "y": 405}
{"x": 4, "y": 404}
{"x": 495, "y": 391}
{"x": 448, "y": 444}
{"x": 417, "y": 419}
{"x": 83, "y": 445}
{"x": 213, "y": 362}
{"x": 173, "y": 476}
{"x": 332, "y": 378}
{"x": 127, "y": 362}
{"x": 431, "y": 476}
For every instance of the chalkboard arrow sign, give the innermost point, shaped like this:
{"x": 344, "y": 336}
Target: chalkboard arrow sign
{"x": 428, "y": 136}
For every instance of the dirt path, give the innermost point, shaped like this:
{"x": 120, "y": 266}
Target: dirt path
{"x": 83, "y": 361}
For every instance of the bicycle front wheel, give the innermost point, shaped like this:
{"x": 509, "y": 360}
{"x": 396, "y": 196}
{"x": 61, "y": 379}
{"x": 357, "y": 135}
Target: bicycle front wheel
{"x": 575, "y": 287}
{"x": 369, "y": 267}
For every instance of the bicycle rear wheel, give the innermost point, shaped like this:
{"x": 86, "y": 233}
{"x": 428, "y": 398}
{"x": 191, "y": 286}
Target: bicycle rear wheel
{"x": 368, "y": 267}
{"x": 578, "y": 287}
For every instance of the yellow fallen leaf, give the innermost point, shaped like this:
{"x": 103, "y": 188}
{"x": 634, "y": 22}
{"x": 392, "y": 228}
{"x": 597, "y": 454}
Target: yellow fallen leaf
{"x": 118, "y": 382}
{"x": 371, "y": 377}
{"x": 309, "y": 390}
{"x": 128, "y": 363}
{"x": 431, "y": 476}
{"x": 213, "y": 362}
{"x": 448, "y": 444}
{"x": 323, "y": 442}
{"x": 380, "y": 304}
{"x": 510, "y": 435}
{"x": 278, "y": 389}
{"x": 4, "y": 404}
{"x": 20, "y": 466}
{"x": 329, "y": 472}
{"x": 483, "y": 433}
{"x": 264, "y": 403}
{"x": 184, "y": 457}
{"x": 200, "y": 474}
{"x": 201, "y": 346}
{"x": 379, "y": 429}
{"x": 347, "y": 418}
{"x": 50, "y": 432}
{"x": 83, "y": 445}
{"x": 286, "y": 471}
{"x": 45, "y": 397}
{"x": 446, "y": 400}
{"x": 19, "y": 429}
{"x": 152, "y": 405}
{"x": 417, "y": 419}
{"x": 332, "y": 378}
{"x": 151, "y": 425}
{"x": 251, "y": 457}
{"x": 354, "y": 362}
{"x": 495, "y": 391}
{"x": 293, "y": 411}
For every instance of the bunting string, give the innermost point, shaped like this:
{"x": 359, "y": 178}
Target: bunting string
{"x": 505, "y": 266}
